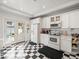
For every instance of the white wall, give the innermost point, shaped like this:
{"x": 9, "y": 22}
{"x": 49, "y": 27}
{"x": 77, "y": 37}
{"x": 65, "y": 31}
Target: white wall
{"x": 15, "y": 17}
{"x": 1, "y": 33}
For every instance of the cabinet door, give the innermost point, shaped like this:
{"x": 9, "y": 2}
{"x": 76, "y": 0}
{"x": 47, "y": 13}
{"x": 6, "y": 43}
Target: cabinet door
{"x": 65, "y": 20}
{"x": 74, "y": 19}
{"x": 46, "y": 22}
{"x": 66, "y": 44}
{"x": 44, "y": 39}
{"x": 42, "y": 23}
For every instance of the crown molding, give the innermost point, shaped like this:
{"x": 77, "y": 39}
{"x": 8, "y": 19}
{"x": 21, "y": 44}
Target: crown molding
{"x": 13, "y": 10}
{"x": 60, "y": 9}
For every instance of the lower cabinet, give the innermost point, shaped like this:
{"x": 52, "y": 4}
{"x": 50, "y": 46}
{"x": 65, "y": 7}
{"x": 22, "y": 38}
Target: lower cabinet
{"x": 66, "y": 40}
{"x": 70, "y": 40}
{"x": 66, "y": 44}
{"x": 44, "y": 39}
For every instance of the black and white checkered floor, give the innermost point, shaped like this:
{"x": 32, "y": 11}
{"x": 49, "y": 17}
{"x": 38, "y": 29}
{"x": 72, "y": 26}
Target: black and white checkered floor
{"x": 30, "y": 51}
{"x": 70, "y": 56}
{"x": 22, "y": 51}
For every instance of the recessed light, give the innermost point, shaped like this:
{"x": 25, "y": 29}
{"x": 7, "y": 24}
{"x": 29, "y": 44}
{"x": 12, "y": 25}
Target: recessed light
{"x": 4, "y": 1}
{"x": 21, "y": 9}
{"x": 34, "y": 0}
{"x": 44, "y": 6}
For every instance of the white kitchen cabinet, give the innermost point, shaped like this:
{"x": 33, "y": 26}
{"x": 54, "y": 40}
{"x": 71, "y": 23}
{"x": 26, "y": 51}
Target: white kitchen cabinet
{"x": 74, "y": 19}
{"x": 65, "y": 20}
{"x": 44, "y": 39}
{"x": 66, "y": 44}
{"x": 66, "y": 40}
{"x": 45, "y": 22}
{"x": 69, "y": 20}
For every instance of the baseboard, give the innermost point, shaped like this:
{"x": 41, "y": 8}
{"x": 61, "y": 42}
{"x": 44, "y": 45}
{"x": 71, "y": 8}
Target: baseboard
{"x": 18, "y": 42}
{"x": 4, "y": 47}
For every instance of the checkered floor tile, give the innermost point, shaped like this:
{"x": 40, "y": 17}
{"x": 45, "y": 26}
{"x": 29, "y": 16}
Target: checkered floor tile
{"x": 22, "y": 51}
{"x": 70, "y": 56}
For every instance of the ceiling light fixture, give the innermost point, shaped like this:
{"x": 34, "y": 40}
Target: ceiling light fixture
{"x": 21, "y": 9}
{"x": 34, "y": 0}
{"x": 44, "y": 6}
{"x": 4, "y": 1}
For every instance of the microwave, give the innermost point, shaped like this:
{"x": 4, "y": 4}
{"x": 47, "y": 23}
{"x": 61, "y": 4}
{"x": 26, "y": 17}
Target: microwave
{"x": 55, "y": 25}
{"x": 55, "y": 32}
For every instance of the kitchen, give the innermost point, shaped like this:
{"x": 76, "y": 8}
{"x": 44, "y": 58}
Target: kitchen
{"x": 62, "y": 32}
{"x": 26, "y": 24}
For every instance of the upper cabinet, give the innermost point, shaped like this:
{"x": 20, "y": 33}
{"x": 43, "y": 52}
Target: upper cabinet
{"x": 65, "y": 20}
{"x": 70, "y": 19}
{"x": 35, "y": 21}
{"x": 45, "y": 22}
{"x": 55, "y": 19}
{"x": 74, "y": 19}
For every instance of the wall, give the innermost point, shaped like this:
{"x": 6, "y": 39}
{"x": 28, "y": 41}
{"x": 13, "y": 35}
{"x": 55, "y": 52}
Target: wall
{"x": 1, "y": 34}
{"x": 16, "y": 18}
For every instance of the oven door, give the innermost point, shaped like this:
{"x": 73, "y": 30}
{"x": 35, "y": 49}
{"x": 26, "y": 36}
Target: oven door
{"x": 54, "y": 42}
{"x": 54, "y": 39}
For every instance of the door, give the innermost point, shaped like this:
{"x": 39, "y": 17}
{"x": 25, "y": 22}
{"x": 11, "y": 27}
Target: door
{"x": 20, "y": 31}
{"x": 35, "y": 33}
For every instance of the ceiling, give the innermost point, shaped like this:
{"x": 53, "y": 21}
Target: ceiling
{"x": 38, "y": 7}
